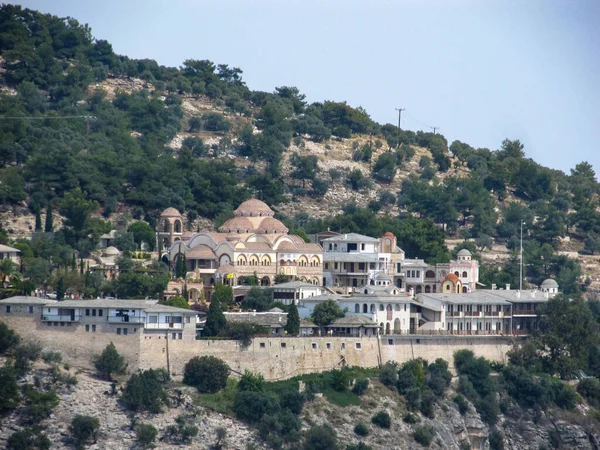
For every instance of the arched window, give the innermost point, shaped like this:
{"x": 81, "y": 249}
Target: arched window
{"x": 372, "y": 307}
{"x": 178, "y": 226}
{"x": 166, "y": 226}
{"x": 456, "y": 273}
{"x": 365, "y": 308}
{"x": 430, "y": 274}
{"x": 381, "y": 308}
{"x": 464, "y": 289}
{"x": 397, "y": 307}
{"x": 427, "y": 289}
{"x": 357, "y": 308}
{"x": 389, "y": 307}
{"x": 464, "y": 274}
{"x": 419, "y": 289}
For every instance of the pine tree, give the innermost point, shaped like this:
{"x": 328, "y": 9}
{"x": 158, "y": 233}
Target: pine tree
{"x": 110, "y": 362}
{"x": 292, "y": 327}
{"x": 38, "y": 220}
{"x": 215, "y": 320}
{"x": 49, "y": 225}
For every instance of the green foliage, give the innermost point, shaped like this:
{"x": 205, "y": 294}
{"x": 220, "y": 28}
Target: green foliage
{"x": 292, "y": 400}
{"x": 85, "y": 428}
{"x": 177, "y": 301}
{"x": 39, "y": 405}
{"x": 326, "y": 312}
{"x": 360, "y": 446}
{"x": 242, "y": 332}
{"x": 9, "y": 389}
{"x": 462, "y": 403}
{"x": 30, "y": 438}
{"x": 496, "y": 439}
{"x": 410, "y": 418}
{"x": 180, "y": 266}
{"x": 110, "y": 363}
{"x": 340, "y": 379}
{"x": 25, "y": 354}
{"x": 385, "y": 168}
{"x": 8, "y": 338}
{"x": 180, "y": 433}
{"x": 258, "y": 299}
{"x": 388, "y": 374}
{"x": 320, "y": 437}
{"x": 251, "y": 382}
{"x": 252, "y": 406}
{"x": 360, "y": 386}
{"x": 424, "y": 435}
{"x": 589, "y": 388}
{"x": 215, "y": 319}
{"x": 361, "y": 429}
{"x": 144, "y": 390}
{"x": 206, "y": 373}
{"x": 145, "y": 434}
{"x": 382, "y": 419}
{"x": 292, "y": 326}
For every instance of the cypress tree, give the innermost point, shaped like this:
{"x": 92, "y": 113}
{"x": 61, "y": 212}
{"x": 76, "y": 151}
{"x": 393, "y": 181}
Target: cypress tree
{"x": 38, "y": 220}
{"x": 180, "y": 266}
{"x": 73, "y": 262}
{"x": 215, "y": 320}
{"x": 60, "y": 289}
{"x": 292, "y": 327}
{"x": 49, "y": 225}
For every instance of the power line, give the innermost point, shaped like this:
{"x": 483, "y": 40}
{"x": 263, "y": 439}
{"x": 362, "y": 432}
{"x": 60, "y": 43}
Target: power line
{"x": 434, "y": 128}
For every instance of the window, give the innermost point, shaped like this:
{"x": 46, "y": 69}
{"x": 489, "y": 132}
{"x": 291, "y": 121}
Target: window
{"x": 261, "y": 345}
{"x": 93, "y": 312}
{"x": 99, "y": 313}
{"x": 8, "y": 308}
{"x": 283, "y": 344}
{"x": 390, "y": 342}
{"x": 362, "y": 246}
{"x": 187, "y": 319}
{"x": 361, "y": 266}
{"x": 358, "y": 346}
{"x": 314, "y": 345}
{"x": 87, "y": 328}
{"x": 418, "y": 341}
{"x": 335, "y": 266}
{"x": 174, "y": 336}
{"x": 125, "y": 331}
{"x": 118, "y": 331}
{"x": 326, "y": 266}
{"x": 405, "y": 307}
{"x": 464, "y": 274}
{"x": 93, "y": 328}
{"x": 343, "y": 345}
{"x": 418, "y": 273}
{"x": 328, "y": 345}
{"x": 152, "y": 319}
{"x": 180, "y": 336}
{"x": 87, "y": 312}
{"x": 30, "y": 309}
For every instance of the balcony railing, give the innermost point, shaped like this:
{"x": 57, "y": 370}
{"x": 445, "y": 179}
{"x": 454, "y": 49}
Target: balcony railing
{"x": 59, "y": 318}
{"x": 524, "y": 312}
{"x": 163, "y": 326}
{"x": 125, "y": 319}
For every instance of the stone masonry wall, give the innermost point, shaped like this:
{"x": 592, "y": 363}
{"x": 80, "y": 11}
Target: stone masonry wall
{"x": 274, "y": 357}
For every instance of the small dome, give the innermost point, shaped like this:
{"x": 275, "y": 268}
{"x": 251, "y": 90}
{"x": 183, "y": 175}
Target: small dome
{"x": 382, "y": 277}
{"x": 269, "y": 224}
{"x": 464, "y": 252}
{"x": 111, "y": 251}
{"x": 549, "y": 284}
{"x": 170, "y": 212}
{"x": 237, "y": 223}
{"x": 451, "y": 277}
{"x": 253, "y": 207}
{"x": 389, "y": 234}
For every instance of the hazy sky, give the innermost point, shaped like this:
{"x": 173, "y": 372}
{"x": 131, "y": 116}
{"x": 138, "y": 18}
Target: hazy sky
{"x": 480, "y": 70}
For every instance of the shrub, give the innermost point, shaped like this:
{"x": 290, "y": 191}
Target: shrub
{"x": 388, "y": 375}
{"x": 424, "y": 435}
{"x": 488, "y": 409}
{"x": 413, "y": 398}
{"x": 340, "y": 379}
{"x": 146, "y": 434}
{"x": 438, "y": 377}
{"x": 84, "y": 428}
{"x": 359, "y": 446}
{"x": 321, "y": 437}
{"x": 9, "y": 389}
{"x": 39, "y": 404}
{"x": 360, "y": 386}
{"x": 410, "y": 418}
{"x": 25, "y": 354}
{"x": 206, "y": 373}
{"x": 564, "y": 395}
{"x": 361, "y": 428}
{"x": 144, "y": 390}
{"x": 110, "y": 362}
{"x": 8, "y": 338}
{"x": 496, "y": 439}
{"x": 28, "y": 439}
{"x": 382, "y": 419}
{"x": 251, "y": 382}
{"x": 252, "y": 406}
{"x": 589, "y": 388}
{"x": 427, "y": 402}
{"x": 292, "y": 400}
{"x": 181, "y": 432}
{"x": 462, "y": 403}
{"x": 51, "y": 357}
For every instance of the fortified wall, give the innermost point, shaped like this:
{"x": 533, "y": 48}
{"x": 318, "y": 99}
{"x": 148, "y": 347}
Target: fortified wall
{"x": 274, "y": 357}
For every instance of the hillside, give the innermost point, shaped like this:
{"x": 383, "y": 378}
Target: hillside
{"x": 128, "y": 138}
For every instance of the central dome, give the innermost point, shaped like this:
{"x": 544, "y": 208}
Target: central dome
{"x": 253, "y": 216}
{"x": 253, "y": 208}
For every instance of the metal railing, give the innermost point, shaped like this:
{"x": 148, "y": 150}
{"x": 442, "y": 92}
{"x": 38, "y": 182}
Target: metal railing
{"x": 60, "y": 318}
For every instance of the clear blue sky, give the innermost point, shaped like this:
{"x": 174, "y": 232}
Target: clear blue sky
{"x": 480, "y": 70}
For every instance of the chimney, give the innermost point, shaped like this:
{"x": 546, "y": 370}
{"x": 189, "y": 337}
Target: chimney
{"x": 494, "y": 286}
{"x": 518, "y": 294}
{"x": 533, "y": 294}
{"x": 508, "y": 287}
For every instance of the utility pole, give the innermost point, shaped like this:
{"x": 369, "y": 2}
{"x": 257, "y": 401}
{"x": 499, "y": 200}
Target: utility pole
{"x": 521, "y": 258}
{"x": 434, "y": 129}
{"x": 400, "y": 116}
